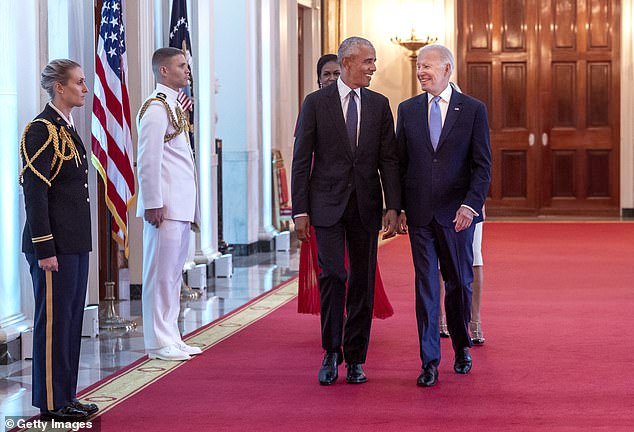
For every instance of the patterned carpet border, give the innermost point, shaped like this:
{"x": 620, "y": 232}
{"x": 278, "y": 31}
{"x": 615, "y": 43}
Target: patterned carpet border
{"x": 117, "y": 389}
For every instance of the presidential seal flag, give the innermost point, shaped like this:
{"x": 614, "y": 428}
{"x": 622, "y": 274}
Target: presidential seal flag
{"x": 111, "y": 140}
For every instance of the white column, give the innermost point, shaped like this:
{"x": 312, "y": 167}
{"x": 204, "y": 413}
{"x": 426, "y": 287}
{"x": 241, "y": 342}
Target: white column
{"x": 58, "y": 25}
{"x": 253, "y": 122}
{"x": 31, "y": 100}
{"x": 141, "y": 41}
{"x": 269, "y": 29}
{"x": 235, "y": 52}
{"x": 19, "y": 103}
{"x": 80, "y": 42}
{"x": 202, "y": 33}
{"x": 161, "y": 17}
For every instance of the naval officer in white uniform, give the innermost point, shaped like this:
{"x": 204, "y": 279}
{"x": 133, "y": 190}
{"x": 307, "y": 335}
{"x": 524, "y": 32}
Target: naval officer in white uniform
{"x": 167, "y": 202}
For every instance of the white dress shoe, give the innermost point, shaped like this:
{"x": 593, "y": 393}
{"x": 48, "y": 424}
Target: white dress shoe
{"x": 182, "y": 346}
{"x": 169, "y": 353}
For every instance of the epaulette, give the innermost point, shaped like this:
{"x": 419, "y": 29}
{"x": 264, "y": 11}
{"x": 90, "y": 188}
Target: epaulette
{"x": 161, "y": 96}
{"x": 65, "y": 152}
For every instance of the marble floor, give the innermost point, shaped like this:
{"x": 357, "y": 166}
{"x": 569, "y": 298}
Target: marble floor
{"x": 114, "y": 350}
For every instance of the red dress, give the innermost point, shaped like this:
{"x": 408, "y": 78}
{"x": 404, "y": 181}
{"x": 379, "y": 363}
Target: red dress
{"x": 308, "y": 293}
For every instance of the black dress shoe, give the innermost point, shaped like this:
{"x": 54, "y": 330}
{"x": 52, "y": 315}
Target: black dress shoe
{"x": 90, "y": 408}
{"x": 462, "y": 365}
{"x": 328, "y": 373}
{"x": 67, "y": 413}
{"x": 428, "y": 377}
{"x": 355, "y": 374}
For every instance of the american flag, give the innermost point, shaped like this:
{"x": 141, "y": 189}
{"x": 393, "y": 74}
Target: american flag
{"x": 179, "y": 38}
{"x": 112, "y": 152}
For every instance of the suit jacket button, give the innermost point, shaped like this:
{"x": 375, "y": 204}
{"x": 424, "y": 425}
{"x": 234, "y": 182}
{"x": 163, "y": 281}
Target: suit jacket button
{"x": 87, "y": 199}
{"x": 435, "y": 160}
{"x": 349, "y": 184}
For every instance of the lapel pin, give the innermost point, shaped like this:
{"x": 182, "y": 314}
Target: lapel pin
{"x": 456, "y": 108}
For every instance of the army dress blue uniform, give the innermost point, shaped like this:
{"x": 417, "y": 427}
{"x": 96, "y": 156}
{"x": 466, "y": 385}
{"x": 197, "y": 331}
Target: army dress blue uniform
{"x": 55, "y": 183}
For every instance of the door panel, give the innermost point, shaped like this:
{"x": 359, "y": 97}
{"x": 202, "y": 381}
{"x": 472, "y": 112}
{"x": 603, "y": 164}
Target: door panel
{"x": 579, "y": 85}
{"x": 499, "y": 73}
{"x": 547, "y": 71}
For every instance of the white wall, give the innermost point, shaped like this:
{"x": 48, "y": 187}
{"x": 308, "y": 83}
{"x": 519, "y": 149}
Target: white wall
{"x": 12, "y": 121}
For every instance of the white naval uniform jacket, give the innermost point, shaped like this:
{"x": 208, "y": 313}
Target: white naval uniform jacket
{"x": 166, "y": 170}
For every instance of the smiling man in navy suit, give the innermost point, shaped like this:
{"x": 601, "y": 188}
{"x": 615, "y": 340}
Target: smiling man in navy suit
{"x": 344, "y": 158}
{"x": 445, "y": 161}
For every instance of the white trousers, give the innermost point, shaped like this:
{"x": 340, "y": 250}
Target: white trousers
{"x": 164, "y": 253}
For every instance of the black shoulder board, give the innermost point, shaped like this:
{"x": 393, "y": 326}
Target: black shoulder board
{"x": 161, "y": 96}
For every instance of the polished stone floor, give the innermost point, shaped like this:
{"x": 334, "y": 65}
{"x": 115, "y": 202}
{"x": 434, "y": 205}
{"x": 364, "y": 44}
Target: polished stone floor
{"x": 114, "y": 350}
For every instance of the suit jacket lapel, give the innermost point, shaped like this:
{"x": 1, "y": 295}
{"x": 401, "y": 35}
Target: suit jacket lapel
{"x": 366, "y": 106}
{"x": 334, "y": 107}
{"x": 422, "y": 100}
{"x": 453, "y": 112}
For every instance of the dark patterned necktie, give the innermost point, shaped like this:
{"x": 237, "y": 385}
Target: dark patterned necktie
{"x": 351, "y": 120}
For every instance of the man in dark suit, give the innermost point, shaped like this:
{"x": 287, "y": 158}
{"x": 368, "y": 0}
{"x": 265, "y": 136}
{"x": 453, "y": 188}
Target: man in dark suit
{"x": 445, "y": 160}
{"x": 344, "y": 139}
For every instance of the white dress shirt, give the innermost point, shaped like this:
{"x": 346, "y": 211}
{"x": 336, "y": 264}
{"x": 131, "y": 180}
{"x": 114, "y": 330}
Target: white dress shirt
{"x": 445, "y": 97}
{"x": 68, "y": 121}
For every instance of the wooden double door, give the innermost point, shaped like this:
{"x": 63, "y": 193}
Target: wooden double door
{"x": 548, "y": 71}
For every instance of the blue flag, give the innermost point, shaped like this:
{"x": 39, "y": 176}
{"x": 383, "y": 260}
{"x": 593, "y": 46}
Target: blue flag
{"x": 179, "y": 38}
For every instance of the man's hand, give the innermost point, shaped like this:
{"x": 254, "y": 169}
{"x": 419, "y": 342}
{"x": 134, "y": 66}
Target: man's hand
{"x": 302, "y": 228}
{"x": 463, "y": 219}
{"x": 401, "y": 223}
{"x": 48, "y": 264}
{"x": 154, "y": 216}
{"x": 389, "y": 224}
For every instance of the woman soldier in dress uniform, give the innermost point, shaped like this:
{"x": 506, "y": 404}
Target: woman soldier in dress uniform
{"x": 56, "y": 240}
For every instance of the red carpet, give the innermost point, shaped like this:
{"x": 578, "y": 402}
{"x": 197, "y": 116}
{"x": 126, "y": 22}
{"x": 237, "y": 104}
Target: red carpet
{"x": 557, "y": 316}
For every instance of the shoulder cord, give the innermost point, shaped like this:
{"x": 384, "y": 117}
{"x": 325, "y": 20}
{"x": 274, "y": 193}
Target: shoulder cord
{"x": 179, "y": 122}
{"x": 67, "y": 151}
